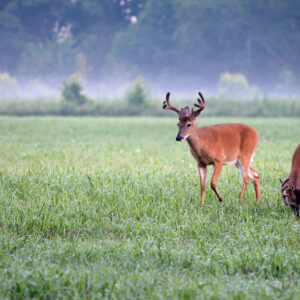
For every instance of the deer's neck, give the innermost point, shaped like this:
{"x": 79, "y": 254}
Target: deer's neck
{"x": 195, "y": 141}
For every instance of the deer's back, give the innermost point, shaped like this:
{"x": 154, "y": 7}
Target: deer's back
{"x": 296, "y": 159}
{"x": 232, "y": 134}
{"x": 229, "y": 141}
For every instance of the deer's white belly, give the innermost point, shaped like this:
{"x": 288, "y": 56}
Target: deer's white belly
{"x": 230, "y": 162}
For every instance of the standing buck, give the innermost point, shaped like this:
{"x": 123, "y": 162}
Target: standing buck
{"x": 290, "y": 188}
{"x": 217, "y": 145}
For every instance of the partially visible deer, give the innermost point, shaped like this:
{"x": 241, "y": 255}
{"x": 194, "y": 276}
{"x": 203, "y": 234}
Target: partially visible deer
{"x": 217, "y": 145}
{"x": 290, "y": 188}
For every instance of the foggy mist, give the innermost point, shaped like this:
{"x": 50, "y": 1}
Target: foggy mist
{"x": 178, "y": 46}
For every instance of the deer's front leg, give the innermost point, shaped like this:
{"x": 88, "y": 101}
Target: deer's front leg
{"x": 216, "y": 173}
{"x": 202, "y": 174}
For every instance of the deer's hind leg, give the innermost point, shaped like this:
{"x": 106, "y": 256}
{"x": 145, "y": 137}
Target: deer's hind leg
{"x": 243, "y": 168}
{"x": 248, "y": 147}
{"x": 255, "y": 177}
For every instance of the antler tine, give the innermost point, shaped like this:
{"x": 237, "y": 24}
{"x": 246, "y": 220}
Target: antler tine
{"x": 167, "y": 105}
{"x": 200, "y": 101}
{"x": 201, "y": 105}
{"x": 201, "y": 96}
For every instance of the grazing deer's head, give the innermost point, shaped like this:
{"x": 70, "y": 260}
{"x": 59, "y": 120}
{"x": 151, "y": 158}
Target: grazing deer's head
{"x": 290, "y": 195}
{"x": 187, "y": 117}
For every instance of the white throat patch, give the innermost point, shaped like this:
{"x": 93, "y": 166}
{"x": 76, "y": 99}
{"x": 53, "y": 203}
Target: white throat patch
{"x": 186, "y": 137}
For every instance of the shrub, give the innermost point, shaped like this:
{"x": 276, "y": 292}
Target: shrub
{"x": 136, "y": 94}
{"x": 72, "y": 91}
{"x": 235, "y": 85}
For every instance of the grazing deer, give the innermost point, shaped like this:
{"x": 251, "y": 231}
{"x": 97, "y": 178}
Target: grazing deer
{"x": 217, "y": 145}
{"x": 290, "y": 188}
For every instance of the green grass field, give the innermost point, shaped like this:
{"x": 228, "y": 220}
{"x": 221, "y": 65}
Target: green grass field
{"x": 110, "y": 208}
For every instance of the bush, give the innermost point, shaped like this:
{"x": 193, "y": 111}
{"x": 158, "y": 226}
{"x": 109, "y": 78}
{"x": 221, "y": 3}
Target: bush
{"x": 136, "y": 95}
{"x": 235, "y": 85}
{"x": 72, "y": 91}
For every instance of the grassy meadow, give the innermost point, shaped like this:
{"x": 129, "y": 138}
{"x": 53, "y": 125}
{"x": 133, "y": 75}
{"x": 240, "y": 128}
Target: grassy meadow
{"x": 110, "y": 208}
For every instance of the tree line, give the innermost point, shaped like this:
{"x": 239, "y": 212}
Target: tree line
{"x": 192, "y": 39}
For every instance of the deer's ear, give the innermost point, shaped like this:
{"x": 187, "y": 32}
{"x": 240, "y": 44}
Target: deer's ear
{"x": 186, "y": 112}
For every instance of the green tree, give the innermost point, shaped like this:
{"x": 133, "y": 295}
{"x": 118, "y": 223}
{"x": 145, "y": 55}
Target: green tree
{"x": 72, "y": 91}
{"x": 148, "y": 44}
{"x": 136, "y": 94}
{"x": 42, "y": 37}
{"x": 195, "y": 40}
{"x": 202, "y": 39}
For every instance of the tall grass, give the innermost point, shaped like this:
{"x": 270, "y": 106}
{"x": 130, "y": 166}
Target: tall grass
{"x": 110, "y": 208}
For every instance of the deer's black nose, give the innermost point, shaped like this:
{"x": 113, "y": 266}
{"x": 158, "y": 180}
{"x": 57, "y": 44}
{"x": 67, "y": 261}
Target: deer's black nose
{"x": 178, "y": 138}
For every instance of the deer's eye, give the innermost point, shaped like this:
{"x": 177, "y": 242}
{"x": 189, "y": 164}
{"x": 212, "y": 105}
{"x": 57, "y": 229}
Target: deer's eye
{"x": 189, "y": 125}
